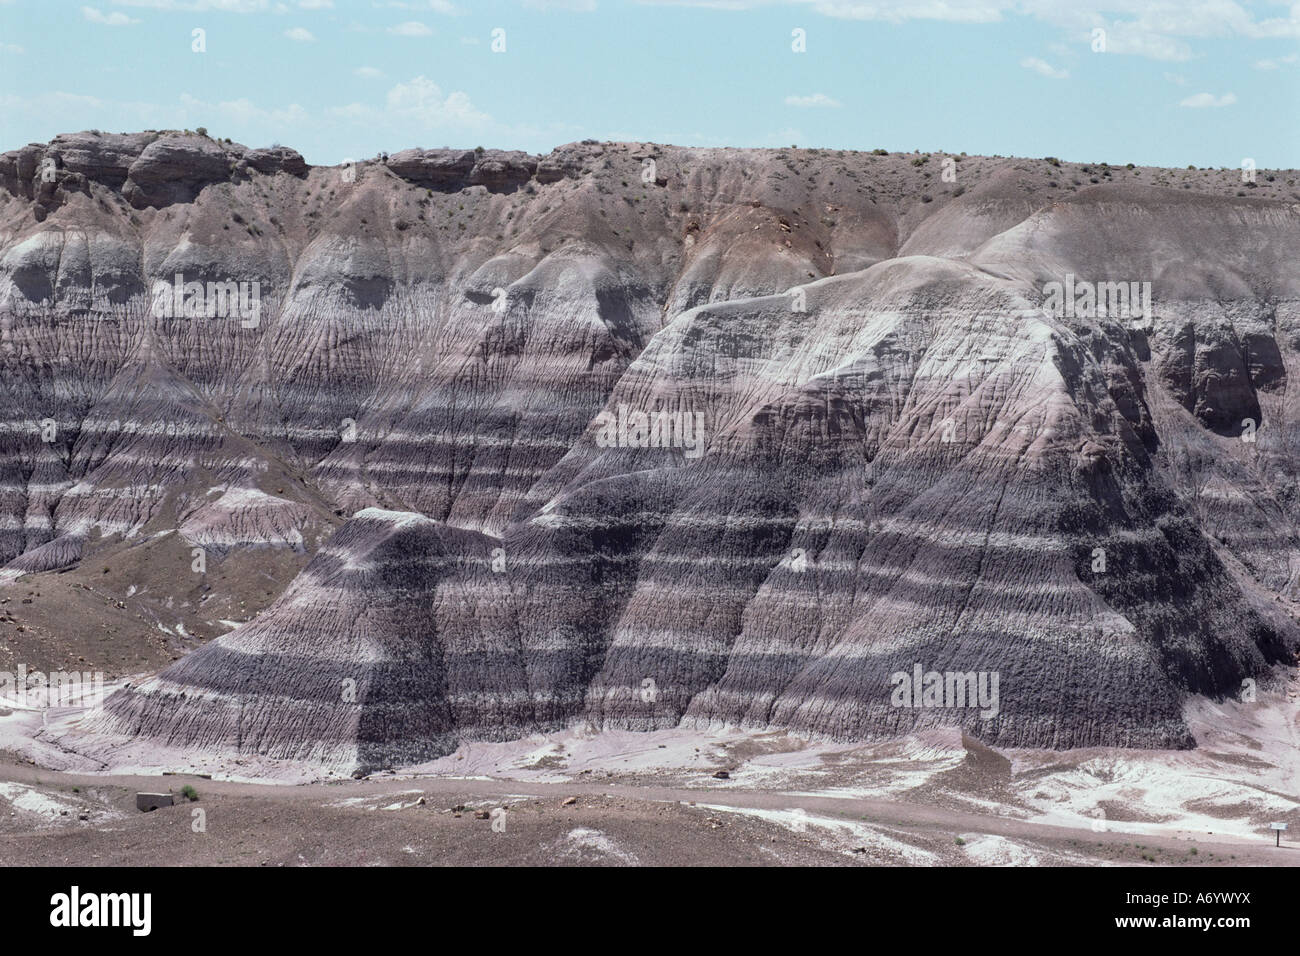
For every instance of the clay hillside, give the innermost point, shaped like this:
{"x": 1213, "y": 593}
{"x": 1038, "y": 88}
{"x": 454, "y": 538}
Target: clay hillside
{"x": 640, "y": 435}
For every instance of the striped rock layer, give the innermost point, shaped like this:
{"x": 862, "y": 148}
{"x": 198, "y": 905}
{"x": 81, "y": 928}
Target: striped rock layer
{"x": 736, "y": 442}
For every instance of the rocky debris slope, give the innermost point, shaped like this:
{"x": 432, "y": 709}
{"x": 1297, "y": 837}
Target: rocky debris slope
{"x": 713, "y": 436}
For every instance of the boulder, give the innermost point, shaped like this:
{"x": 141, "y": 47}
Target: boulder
{"x": 442, "y": 169}
{"x": 100, "y": 157}
{"x": 502, "y": 171}
{"x": 174, "y": 169}
{"x": 277, "y": 159}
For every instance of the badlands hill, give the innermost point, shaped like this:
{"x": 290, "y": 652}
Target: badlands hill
{"x": 410, "y": 468}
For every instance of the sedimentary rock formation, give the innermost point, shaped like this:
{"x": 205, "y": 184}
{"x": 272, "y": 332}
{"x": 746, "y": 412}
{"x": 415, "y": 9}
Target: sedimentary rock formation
{"x": 355, "y": 639}
{"x": 638, "y": 435}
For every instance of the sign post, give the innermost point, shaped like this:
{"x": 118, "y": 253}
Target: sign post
{"x": 1277, "y": 828}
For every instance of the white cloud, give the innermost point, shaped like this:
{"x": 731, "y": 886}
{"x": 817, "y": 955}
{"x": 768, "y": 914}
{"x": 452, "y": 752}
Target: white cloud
{"x": 1043, "y": 68}
{"x": 411, "y": 28}
{"x": 1149, "y": 28}
{"x": 1203, "y": 100}
{"x": 437, "y": 6}
{"x": 316, "y": 4}
{"x": 79, "y": 111}
{"x": 11, "y": 48}
{"x": 422, "y": 101}
{"x": 368, "y": 72}
{"x": 1140, "y": 40}
{"x": 417, "y": 104}
{"x": 574, "y": 6}
{"x": 225, "y": 6}
{"x": 240, "y": 119}
{"x": 896, "y": 11}
{"x": 242, "y": 111}
{"x": 816, "y": 99}
{"x": 300, "y": 34}
{"x": 115, "y": 19}
{"x": 1275, "y": 62}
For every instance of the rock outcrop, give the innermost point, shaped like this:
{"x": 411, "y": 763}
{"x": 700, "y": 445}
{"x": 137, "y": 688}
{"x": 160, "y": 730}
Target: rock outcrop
{"x": 638, "y": 435}
{"x": 346, "y": 669}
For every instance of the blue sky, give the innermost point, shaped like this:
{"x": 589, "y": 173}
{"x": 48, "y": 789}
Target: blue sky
{"x": 1206, "y": 82}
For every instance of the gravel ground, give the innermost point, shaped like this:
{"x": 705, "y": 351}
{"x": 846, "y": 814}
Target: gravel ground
{"x": 423, "y": 821}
